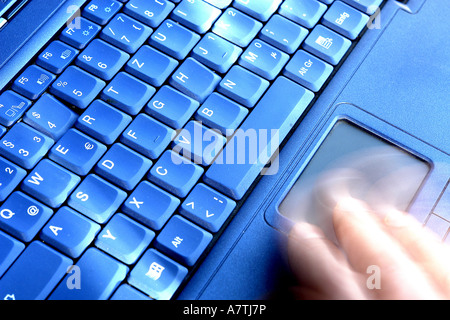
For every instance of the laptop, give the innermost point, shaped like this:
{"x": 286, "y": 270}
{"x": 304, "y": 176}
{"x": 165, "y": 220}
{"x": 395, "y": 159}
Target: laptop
{"x": 163, "y": 149}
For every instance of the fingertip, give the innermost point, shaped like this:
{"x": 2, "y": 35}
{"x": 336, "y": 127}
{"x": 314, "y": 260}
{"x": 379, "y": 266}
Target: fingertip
{"x": 304, "y": 230}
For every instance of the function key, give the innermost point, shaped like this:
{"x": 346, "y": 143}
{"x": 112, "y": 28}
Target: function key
{"x": 79, "y": 33}
{"x": 56, "y": 57}
{"x": 12, "y": 107}
{"x": 150, "y": 12}
{"x": 101, "y": 11}
{"x": 33, "y": 82}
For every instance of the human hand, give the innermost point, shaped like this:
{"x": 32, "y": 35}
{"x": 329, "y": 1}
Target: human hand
{"x": 379, "y": 257}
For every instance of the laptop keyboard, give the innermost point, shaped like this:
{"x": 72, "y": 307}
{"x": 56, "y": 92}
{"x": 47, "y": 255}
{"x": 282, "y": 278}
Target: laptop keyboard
{"x": 105, "y": 189}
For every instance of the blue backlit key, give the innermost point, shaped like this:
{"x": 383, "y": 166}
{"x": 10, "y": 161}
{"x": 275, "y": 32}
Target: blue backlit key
{"x": 50, "y": 183}
{"x": 216, "y": 53}
{"x": 182, "y": 240}
{"x": 101, "y": 11}
{"x": 50, "y": 116}
{"x": 77, "y": 87}
{"x": 39, "y": 269}
{"x": 10, "y": 249}
{"x": 100, "y": 277}
{"x": 69, "y": 232}
{"x": 24, "y": 145}
{"x": 237, "y": 27}
{"x": 103, "y": 122}
{"x": 172, "y": 107}
{"x": 123, "y": 166}
{"x": 157, "y": 275}
{"x": 259, "y": 9}
{"x": 125, "y": 33}
{"x": 243, "y": 86}
{"x": 12, "y": 107}
{"x": 345, "y": 20}
{"x": 175, "y": 173}
{"x": 366, "y": 6}
{"x": 124, "y": 239}
{"x": 308, "y": 70}
{"x": 196, "y": 15}
{"x": 150, "y": 205}
{"x": 127, "y": 93}
{"x": 79, "y": 32}
{"x": 10, "y": 176}
{"x": 151, "y": 12}
{"x": 33, "y": 82}
{"x": 56, "y": 57}
{"x": 174, "y": 39}
{"x": 263, "y": 59}
{"x": 198, "y": 143}
{"x": 96, "y": 198}
{"x": 152, "y": 66}
{"x": 207, "y": 207}
{"x": 147, "y": 136}
{"x": 305, "y": 12}
{"x": 23, "y": 217}
{"x": 194, "y": 80}
{"x": 77, "y": 152}
{"x": 327, "y": 44}
{"x": 283, "y": 34}
{"x": 102, "y": 59}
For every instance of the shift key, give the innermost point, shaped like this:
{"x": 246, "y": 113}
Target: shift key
{"x": 259, "y": 137}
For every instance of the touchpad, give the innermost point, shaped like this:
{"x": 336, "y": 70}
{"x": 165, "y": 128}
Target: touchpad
{"x": 352, "y": 161}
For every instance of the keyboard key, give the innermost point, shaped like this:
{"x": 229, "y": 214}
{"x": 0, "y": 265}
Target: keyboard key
{"x": 103, "y": 122}
{"x": 34, "y": 274}
{"x": 366, "y": 6}
{"x": 237, "y": 27}
{"x": 69, "y": 232}
{"x": 10, "y": 176}
{"x": 79, "y": 33}
{"x": 101, "y": 11}
{"x": 283, "y": 34}
{"x": 23, "y": 217}
{"x": 77, "y": 87}
{"x": 216, "y": 53}
{"x": 308, "y": 70}
{"x": 150, "y": 205}
{"x": 243, "y": 86}
{"x": 174, "y": 39}
{"x": 157, "y": 275}
{"x": 151, "y": 12}
{"x": 56, "y": 57}
{"x": 263, "y": 59}
{"x": 99, "y": 275}
{"x": 96, "y": 198}
{"x": 77, "y": 152}
{"x": 12, "y": 107}
{"x": 50, "y": 116}
{"x": 33, "y": 82}
{"x": 126, "y": 33}
{"x": 194, "y": 80}
{"x": 127, "y": 292}
{"x": 235, "y": 174}
{"x": 50, "y": 183}
{"x": 306, "y": 12}
{"x": 196, "y": 15}
{"x": 124, "y": 239}
{"x": 123, "y": 166}
{"x": 207, "y": 207}
{"x": 198, "y": 143}
{"x": 345, "y": 20}
{"x": 172, "y": 107}
{"x": 10, "y": 249}
{"x": 24, "y": 145}
{"x": 152, "y": 66}
{"x": 175, "y": 174}
{"x": 221, "y": 4}
{"x": 2, "y": 131}
{"x": 182, "y": 240}
{"x": 102, "y": 59}
{"x": 258, "y": 9}
{"x": 127, "y": 93}
{"x": 219, "y": 112}
{"x": 327, "y": 44}
{"x": 147, "y": 136}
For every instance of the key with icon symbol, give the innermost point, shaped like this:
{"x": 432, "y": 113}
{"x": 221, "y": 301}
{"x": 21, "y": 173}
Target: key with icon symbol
{"x": 56, "y": 57}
